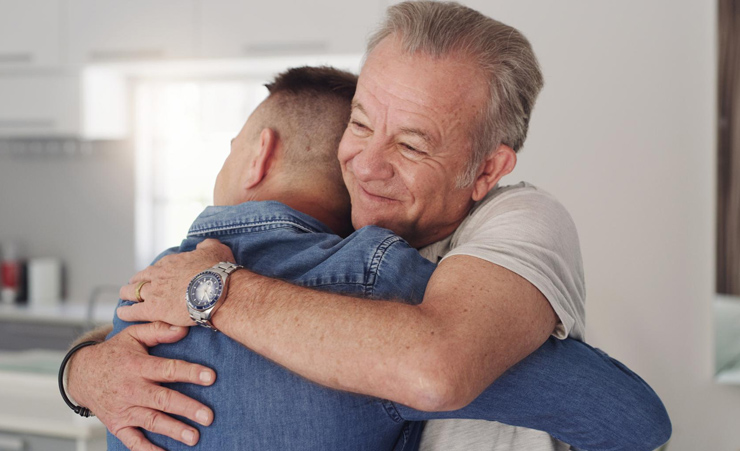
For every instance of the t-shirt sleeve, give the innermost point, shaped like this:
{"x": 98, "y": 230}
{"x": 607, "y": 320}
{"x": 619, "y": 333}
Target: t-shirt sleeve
{"x": 529, "y": 232}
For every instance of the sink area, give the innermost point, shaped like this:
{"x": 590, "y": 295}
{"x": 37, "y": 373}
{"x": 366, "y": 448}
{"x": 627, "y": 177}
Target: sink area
{"x": 35, "y": 361}
{"x": 33, "y": 415}
{"x": 727, "y": 339}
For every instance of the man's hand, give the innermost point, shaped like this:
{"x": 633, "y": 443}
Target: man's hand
{"x": 119, "y": 382}
{"x": 167, "y": 280}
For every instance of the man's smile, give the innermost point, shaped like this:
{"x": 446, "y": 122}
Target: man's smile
{"x": 372, "y": 196}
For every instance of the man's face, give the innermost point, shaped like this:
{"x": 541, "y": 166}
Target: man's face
{"x": 409, "y": 139}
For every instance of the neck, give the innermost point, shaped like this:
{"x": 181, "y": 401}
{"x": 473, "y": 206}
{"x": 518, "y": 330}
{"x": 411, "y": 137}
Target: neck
{"x": 317, "y": 201}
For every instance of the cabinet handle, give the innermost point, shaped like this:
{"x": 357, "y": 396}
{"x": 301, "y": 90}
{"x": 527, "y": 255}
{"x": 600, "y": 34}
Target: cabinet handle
{"x": 297, "y": 47}
{"x": 15, "y": 58}
{"x": 133, "y": 54}
{"x": 10, "y": 443}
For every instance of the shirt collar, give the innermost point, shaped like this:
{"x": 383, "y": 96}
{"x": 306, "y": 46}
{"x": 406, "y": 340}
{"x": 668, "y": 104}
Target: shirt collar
{"x": 254, "y": 213}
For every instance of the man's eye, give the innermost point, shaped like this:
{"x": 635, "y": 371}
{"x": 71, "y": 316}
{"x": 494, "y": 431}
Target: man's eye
{"x": 412, "y": 149}
{"x": 359, "y": 129}
{"x": 357, "y": 124}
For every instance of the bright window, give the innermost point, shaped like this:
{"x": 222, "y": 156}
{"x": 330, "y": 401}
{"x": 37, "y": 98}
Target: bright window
{"x": 183, "y": 133}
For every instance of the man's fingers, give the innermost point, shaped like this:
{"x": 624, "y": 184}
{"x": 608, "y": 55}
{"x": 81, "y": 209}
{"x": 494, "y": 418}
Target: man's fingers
{"x": 152, "y": 334}
{"x": 216, "y": 250}
{"x": 144, "y": 274}
{"x": 209, "y": 243}
{"x": 161, "y": 423}
{"x": 134, "y": 440}
{"x": 128, "y": 292}
{"x": 170, "y": 370}
{"x": 136, "y": 312}
{"x": 173, "y": 402}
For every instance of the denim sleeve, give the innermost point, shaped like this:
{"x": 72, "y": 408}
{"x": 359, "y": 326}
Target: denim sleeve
{"x": 574, "y": 392}
{"x": 399, "y": 272}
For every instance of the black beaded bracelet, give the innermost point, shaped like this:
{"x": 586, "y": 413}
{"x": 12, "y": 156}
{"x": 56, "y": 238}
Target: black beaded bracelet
{"x": 82, "y": 411}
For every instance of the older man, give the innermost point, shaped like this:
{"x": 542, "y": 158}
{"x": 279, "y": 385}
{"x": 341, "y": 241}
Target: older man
{"x": 270, "y": 209}
{"x": 442, "y": 105}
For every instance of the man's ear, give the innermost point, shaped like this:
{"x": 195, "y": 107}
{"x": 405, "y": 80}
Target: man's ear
{"x": 496, "y": 165}
{"x": 260, "y": 165}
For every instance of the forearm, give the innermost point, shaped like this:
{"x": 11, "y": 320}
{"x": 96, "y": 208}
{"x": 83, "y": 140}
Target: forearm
{"x": 378, "y": 348}
{"x": 438, "y": 355}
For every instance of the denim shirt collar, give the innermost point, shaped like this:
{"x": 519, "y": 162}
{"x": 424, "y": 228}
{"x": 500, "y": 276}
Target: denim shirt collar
{"x": 253, "y": 213}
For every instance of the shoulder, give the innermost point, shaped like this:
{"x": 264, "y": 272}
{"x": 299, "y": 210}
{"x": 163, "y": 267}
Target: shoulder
{"x": 523, "y": 208}
{"x": 520, "y": 214}
{"x": 529, "y": 232}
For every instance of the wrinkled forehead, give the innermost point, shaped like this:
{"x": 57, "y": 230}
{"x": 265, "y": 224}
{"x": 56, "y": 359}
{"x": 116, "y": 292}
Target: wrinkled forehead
{"x": 447, "y": 81}
{"x": 445, "y": 95}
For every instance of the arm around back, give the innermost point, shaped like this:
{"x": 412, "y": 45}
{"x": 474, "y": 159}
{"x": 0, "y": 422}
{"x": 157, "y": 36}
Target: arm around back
{"x": 574, "y": 392}
{"x": 477, "y": 320}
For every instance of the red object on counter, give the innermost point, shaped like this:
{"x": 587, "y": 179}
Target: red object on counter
{"x": 10, "y": 270}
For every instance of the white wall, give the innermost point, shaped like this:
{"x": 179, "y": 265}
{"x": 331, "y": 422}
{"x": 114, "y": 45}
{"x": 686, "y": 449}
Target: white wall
{"x": 77, "y": 208}
{"x": 624, "y": 136}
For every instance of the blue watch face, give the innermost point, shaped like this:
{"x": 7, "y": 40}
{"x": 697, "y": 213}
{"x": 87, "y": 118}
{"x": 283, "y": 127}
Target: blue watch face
{"x": 204, "y": 290}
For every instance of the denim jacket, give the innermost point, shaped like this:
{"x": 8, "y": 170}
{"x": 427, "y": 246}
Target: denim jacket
{"x": 566, "y": 388}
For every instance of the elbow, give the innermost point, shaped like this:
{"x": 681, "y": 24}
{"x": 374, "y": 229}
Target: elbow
{"x": 430, "y": 395}
{"x": 439, "y": 387}
{"x": 651, "y": 433}
{"x": 655, "y": 427}
{"x": 644, "y": 425}
{"x": 640, "y": 430}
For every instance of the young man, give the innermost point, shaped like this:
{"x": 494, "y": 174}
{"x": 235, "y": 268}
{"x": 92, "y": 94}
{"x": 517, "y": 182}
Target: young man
{"x": 279, "y": 202}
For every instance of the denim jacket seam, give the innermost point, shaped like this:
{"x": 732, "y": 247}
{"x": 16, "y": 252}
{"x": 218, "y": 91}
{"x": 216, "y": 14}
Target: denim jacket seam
{"x": 375, "y": 261}
{"x": 392, "y": 412}
{"x": 242, "y": 225}
{"x": 329, "y": 284}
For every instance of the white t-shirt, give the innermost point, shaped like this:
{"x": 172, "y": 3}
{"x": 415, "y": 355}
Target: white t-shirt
{"x": 528, "y": 232}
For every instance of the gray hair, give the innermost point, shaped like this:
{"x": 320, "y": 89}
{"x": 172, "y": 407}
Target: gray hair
{"x": 503, "y": 54}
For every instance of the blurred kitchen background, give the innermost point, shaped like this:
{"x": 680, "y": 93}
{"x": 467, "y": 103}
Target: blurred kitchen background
{"x": 115, "y": 117}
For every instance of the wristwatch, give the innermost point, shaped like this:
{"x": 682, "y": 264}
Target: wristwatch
{"x": 207, "y": 290}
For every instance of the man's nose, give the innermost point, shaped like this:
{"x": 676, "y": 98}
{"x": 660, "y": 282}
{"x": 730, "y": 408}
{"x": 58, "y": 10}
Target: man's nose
{"x": 372, "y": 163}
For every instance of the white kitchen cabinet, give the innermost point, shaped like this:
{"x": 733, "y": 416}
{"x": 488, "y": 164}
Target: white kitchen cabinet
{"x": 131, "y": 30}
{"x": 239, "y": 28}
{"x": 33, "y": 416}
{"x": 38, "y": 105}
{"x": 29, "y": 33}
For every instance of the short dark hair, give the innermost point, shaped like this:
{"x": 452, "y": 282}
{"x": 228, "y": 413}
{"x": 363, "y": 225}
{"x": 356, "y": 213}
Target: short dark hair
{"x": 309, "y": 108}
{"x": 322, "y": 79}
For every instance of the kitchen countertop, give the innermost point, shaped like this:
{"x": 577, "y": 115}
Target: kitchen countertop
{"x": 65, "y": 313}
{"x": 31, "y": 403}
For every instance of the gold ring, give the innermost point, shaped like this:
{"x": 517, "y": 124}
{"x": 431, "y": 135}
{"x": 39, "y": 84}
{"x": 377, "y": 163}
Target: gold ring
{"x": 138, "y": 290}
